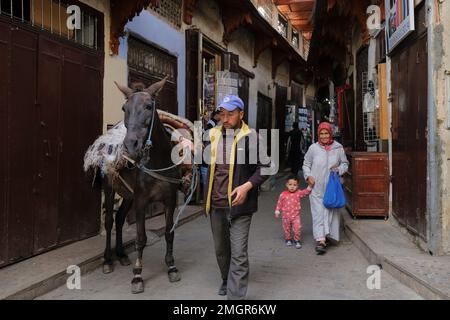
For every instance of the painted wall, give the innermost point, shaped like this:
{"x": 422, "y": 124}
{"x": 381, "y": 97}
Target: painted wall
{"x": 155, "y": 30}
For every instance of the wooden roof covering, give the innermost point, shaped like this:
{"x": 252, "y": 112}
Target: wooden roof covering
{"x": 123, "y": 11}
{"x": 299, "y": 13}
{"x": 333, "y": 23}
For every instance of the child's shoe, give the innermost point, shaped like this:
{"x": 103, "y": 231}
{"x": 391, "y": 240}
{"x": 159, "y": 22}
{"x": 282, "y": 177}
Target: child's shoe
{"x": 298, "y": 245}
{"x": 288, "y": 243}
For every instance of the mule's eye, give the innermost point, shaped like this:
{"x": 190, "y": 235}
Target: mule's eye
{"x": 148, "y": 106}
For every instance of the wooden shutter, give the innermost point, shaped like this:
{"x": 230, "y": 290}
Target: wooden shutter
{"x": 193, "y": 37}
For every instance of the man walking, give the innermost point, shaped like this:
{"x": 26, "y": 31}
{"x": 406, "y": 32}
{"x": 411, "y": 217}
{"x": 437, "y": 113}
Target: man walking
{"x": 232, "y": 193}
{"x": 295, "y": 155}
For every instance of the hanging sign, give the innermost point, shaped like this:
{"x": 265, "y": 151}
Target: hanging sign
{"x": 399, "y": 21}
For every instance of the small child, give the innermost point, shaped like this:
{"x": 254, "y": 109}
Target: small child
{"x": 289, "y": 205}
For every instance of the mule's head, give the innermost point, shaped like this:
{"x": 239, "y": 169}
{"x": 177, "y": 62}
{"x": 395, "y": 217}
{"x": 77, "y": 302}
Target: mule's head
{"x": 139, "y": 109}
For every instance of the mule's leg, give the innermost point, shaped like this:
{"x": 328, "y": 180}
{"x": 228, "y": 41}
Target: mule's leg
{"x": 170, "y": 262}
{"x": 120, "y": 219}
{"x": 108, "y": 265}
{"x": 137, "y": 284}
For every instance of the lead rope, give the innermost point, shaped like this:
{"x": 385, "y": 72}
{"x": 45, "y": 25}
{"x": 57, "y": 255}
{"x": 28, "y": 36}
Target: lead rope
{"x": 192, "y": 188}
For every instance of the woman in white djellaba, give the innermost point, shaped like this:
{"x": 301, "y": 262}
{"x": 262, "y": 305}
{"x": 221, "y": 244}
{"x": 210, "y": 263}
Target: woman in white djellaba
{"x": 323, "y": 157}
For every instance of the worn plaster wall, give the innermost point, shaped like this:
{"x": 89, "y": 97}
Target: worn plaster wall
{"x": 440, "y": 51}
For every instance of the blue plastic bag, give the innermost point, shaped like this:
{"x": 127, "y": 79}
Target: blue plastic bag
{"x": 334, "y": 197}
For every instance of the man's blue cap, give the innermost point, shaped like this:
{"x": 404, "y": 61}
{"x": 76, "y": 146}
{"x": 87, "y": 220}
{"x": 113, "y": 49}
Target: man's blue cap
{"x": 231, "y": 102}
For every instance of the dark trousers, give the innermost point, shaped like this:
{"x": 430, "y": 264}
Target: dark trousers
{"x": 231, "y": 246}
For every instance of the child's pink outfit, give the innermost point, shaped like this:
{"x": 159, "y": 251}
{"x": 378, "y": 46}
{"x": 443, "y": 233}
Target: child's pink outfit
{"x": 289, "y": 205}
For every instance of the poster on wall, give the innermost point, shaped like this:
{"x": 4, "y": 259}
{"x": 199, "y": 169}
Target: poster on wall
{"x": 290, "y": 118}
{"x": 227, "y": 83}
{"x": 399, "y": 21}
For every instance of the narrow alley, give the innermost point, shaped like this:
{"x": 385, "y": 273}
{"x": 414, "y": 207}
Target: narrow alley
{"x": 277, "y": 272}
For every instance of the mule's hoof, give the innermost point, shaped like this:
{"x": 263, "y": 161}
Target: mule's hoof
{"x": 124, "y": 261}
{"x": 174, "y": 276}
{"x": 108, "y": 268}
{"x": 137, "y": 287}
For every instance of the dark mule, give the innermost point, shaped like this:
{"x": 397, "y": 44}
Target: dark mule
{"x": 148, "y": 144}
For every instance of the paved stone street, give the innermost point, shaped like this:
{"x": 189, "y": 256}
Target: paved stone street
{"x": 276, "y": 272}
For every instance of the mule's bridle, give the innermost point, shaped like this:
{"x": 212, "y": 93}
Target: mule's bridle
{"x": 153, "y": 172}
{"x": 148, "y": 145}
{"x": 149, "y": 142}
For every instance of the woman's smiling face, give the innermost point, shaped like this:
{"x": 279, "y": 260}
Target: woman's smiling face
{"x": 324, "y": 136}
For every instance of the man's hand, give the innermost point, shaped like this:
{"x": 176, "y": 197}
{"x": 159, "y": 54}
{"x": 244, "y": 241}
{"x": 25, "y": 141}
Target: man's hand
{"x": 186, "y": 143}
{"x": 277, "y": 214}
{"x": 311, "y": 181}
{"x": 241, "y": 193}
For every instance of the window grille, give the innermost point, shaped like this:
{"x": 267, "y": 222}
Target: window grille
{"x": 146, "y": 59}
{"x": 282, "y": 26}
{"x": 295, "y": 38}
{"x": 170, "y": 10}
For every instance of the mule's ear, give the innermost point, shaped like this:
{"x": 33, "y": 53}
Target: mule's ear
{"x": 127, "y": 92}
{"x": 156, "y": 87}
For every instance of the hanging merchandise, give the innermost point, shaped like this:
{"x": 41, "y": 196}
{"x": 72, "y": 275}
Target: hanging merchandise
{"x": 369, "y": 103}
{"x": 371, "y": 111}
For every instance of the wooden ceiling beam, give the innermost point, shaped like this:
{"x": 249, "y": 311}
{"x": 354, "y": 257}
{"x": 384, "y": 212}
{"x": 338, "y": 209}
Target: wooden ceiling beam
{"x": 289, "y": 2}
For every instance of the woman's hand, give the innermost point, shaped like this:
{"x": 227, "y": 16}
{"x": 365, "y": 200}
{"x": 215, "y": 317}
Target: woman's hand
{"x": 335, "y": 168}
{"x": 311, "y": 181}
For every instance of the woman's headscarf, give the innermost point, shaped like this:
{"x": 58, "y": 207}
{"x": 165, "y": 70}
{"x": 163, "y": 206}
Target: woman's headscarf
{"x": 326, "y": 126}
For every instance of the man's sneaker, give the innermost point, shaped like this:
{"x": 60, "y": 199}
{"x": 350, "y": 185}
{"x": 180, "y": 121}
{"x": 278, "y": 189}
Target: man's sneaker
{"x": 223, "y": 288}
{"x": 288, "y": 243}
{"x": 298, "y": 245}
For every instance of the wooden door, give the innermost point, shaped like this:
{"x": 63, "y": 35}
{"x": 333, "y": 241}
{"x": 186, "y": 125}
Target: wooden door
{"x": 48, "y": 110}
{"x": 51, "y": 111}
{"x": 18, "y": 67}
{"x": 409, "y": 141}
{"x": 280, "y": 109}
{"x": 264, "y": 116}
{"x": 193, "y": 58}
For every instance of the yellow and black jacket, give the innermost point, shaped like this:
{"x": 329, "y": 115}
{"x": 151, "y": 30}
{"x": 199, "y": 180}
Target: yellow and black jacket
{"x": 244, "y": 141}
